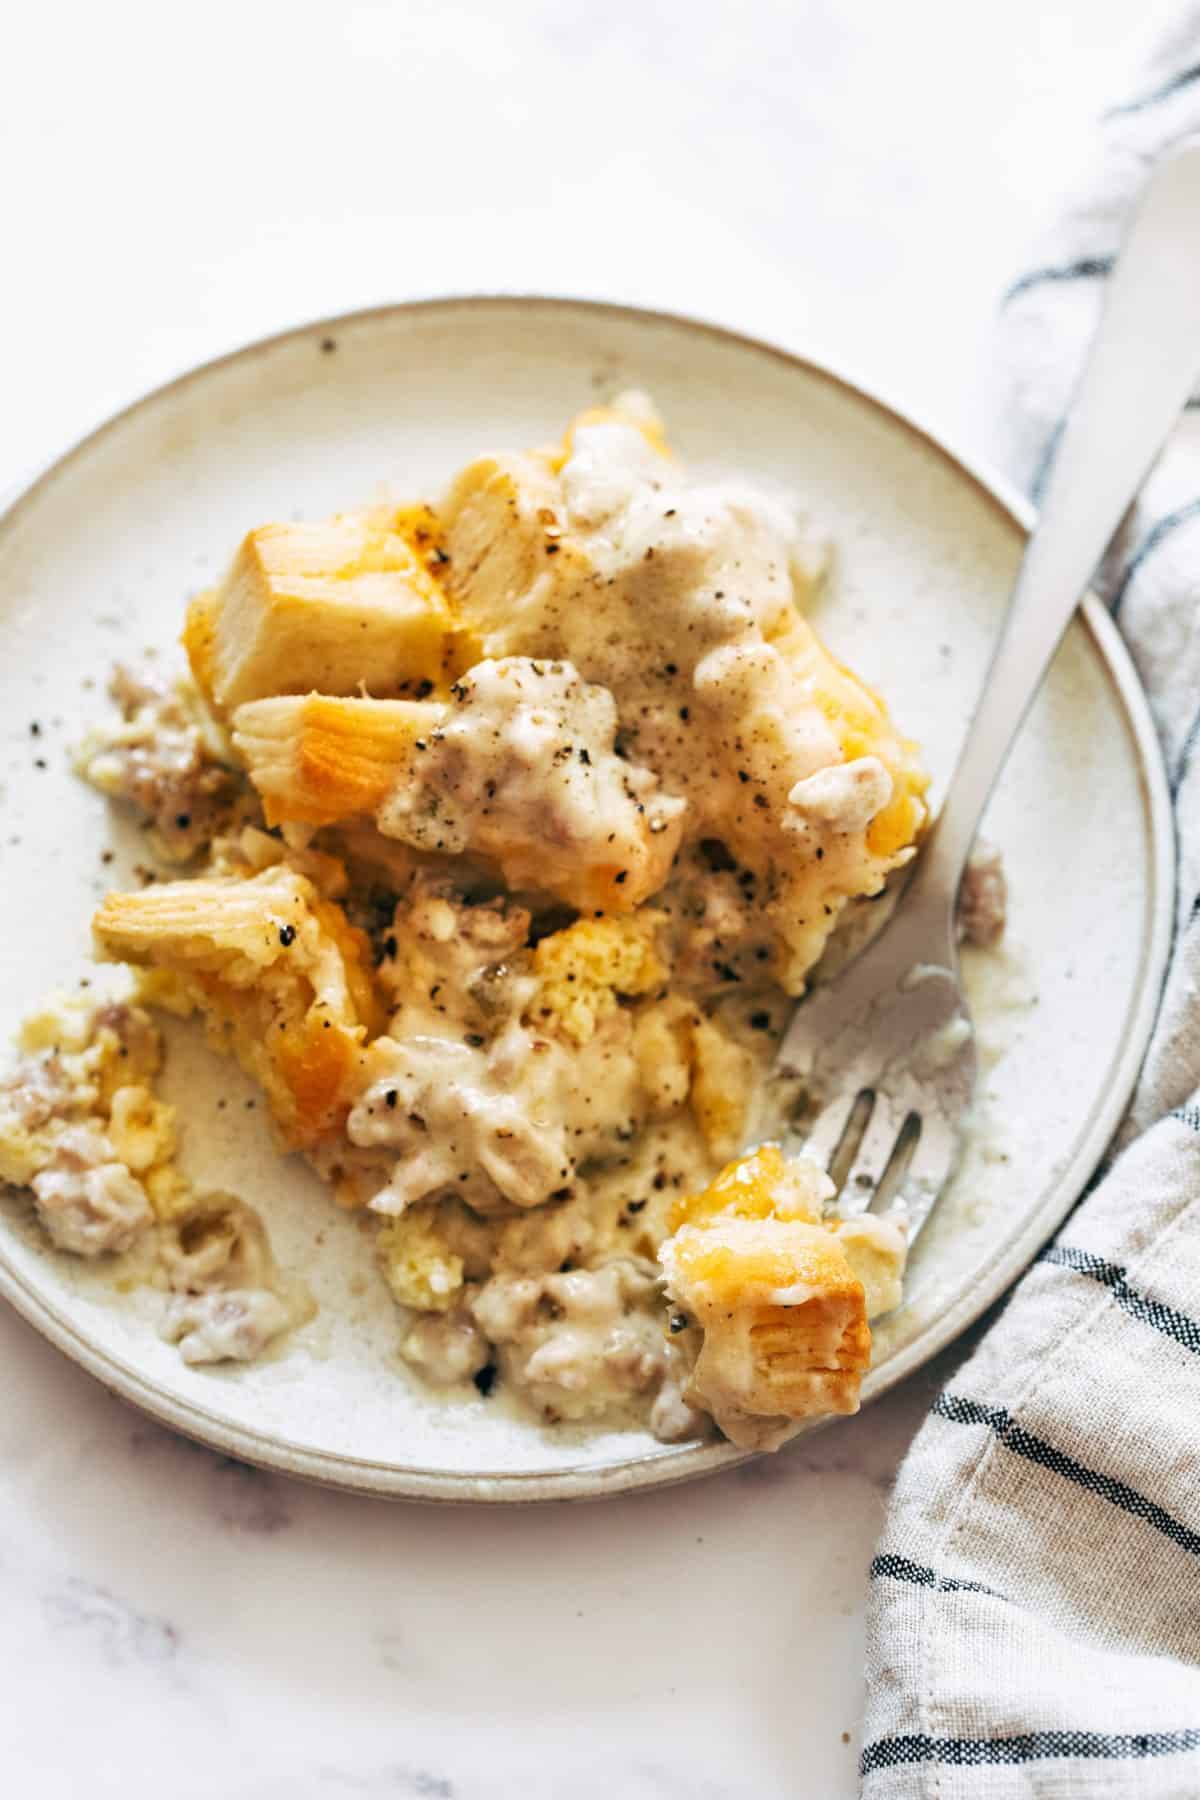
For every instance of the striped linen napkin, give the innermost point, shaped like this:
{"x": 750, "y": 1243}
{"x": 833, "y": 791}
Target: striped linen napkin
{"x": 1034, "y": 1620}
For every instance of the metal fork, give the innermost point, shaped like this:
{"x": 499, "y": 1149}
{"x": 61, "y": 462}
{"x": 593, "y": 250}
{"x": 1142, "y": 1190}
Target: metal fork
{"x": 886, "y": 1053}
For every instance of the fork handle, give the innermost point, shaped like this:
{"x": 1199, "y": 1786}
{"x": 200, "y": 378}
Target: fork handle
{"x": 1144, "y": 360}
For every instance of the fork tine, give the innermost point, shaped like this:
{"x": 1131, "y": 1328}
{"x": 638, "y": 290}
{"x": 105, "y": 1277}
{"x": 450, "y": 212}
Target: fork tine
{"x": 903, "y": 1038}
{"x": 930, "y": 1169}
{"x": 874, "y": 1154}
{"x": 829, "y": 1127}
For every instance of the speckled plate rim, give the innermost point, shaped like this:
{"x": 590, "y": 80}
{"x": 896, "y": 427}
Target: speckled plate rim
{"x": 389, "y": 1480}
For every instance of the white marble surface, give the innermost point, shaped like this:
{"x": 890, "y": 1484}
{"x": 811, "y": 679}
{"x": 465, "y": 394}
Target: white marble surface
{"x": 859, "y": 179}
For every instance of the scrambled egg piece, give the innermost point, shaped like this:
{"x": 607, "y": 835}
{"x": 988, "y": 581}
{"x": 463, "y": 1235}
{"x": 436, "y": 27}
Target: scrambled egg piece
{"x": 586, "y": 970}
{"x": 80, "y": 1125}
{"x": 723, "y": 1078}
{"x": 418, "y": 1264}
{"x": 583, "y": 970}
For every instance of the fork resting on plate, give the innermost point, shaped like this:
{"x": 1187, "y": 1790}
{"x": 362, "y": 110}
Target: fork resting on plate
{"x": 886, "y": 1053}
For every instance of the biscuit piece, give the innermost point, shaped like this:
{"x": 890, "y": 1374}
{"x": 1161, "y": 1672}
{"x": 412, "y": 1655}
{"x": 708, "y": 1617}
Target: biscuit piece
{"x": 776, "y": 1300}
{"x": 341, "y": 606}
{"x": 784, "y": 1323}
{"x": 280, "y": 976}
{"x": 316, "y": 759}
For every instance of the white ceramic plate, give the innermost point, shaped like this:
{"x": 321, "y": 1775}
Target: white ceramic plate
{"x": 96, "y": 560}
